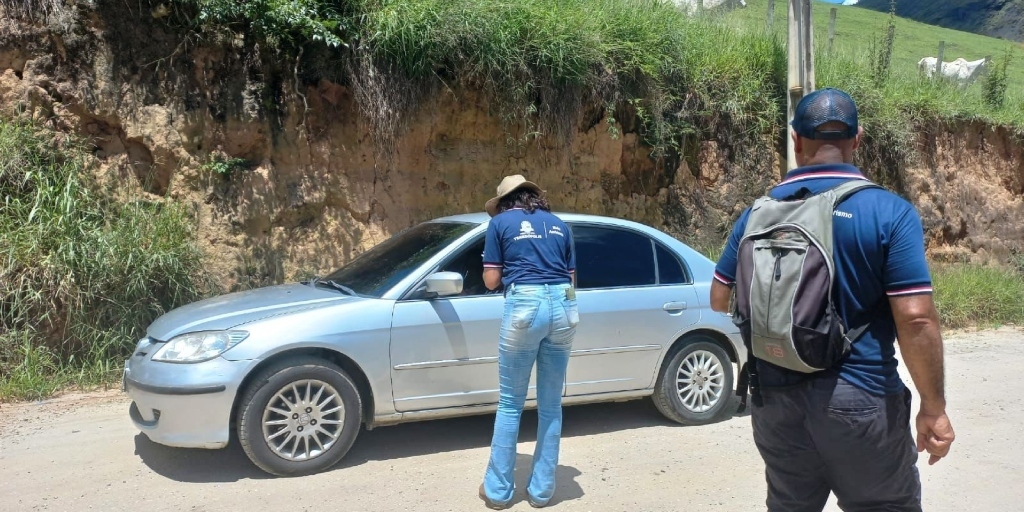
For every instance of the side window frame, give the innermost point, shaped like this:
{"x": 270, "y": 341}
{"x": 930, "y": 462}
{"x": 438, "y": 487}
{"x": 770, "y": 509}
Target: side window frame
{"x": 654, "y": 256}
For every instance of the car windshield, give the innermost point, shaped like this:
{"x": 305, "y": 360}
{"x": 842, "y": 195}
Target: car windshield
{"x": 375, "y": 271}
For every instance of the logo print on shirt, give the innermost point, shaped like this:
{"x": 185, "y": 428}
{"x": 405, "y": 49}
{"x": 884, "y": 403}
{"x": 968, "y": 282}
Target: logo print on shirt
{"x": 844, "y": 215}
{"x": 526, "y": 231}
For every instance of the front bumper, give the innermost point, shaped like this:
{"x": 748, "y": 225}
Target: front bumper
{"x": 183, "y": 405}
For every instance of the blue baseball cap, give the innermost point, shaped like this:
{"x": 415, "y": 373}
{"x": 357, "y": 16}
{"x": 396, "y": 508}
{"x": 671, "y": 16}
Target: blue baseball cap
{"x": 823, "y": 106}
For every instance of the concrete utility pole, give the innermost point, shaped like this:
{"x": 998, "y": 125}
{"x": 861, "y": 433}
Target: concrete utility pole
{"x": 801, "y": 66}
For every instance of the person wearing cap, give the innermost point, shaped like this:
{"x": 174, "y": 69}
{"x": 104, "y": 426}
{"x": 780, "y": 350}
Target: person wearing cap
{"x": 528, "y": 251}
{"x": 847, "y": 430}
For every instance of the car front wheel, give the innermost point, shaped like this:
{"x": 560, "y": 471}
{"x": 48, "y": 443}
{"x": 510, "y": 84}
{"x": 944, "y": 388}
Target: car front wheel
{"x": 695, "y": 383}
{"x": 299, "y": 416}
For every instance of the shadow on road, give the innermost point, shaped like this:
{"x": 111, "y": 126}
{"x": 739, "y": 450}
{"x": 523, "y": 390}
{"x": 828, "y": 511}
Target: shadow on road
{"x": 412, "y": 440}
{"x": 197, "y": 465}
{"x": 567, "y": 488}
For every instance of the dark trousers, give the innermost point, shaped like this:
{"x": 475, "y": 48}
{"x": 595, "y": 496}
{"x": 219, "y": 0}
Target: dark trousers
{"x": 827, "y": 435}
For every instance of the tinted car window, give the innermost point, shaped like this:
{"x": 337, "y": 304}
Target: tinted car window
{"x": 469, "y": 263}
{"x": 670, "y": 271}
{"x": 382, "y": 267}
{"x": 608, "y": 257}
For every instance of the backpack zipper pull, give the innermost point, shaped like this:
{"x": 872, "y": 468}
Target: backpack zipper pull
{"x": 778, "y": 265}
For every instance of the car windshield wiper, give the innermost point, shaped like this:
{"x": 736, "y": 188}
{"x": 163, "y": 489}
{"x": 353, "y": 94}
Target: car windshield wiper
{"x": 333, "y": 284}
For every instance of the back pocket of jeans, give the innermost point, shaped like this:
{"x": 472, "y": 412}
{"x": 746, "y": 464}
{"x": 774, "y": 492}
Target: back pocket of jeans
{"x": 524, "y": 313}
{"x": 848, "y": 401}
{"x": 852, "y": 412}
{"x": 572, "y": 312}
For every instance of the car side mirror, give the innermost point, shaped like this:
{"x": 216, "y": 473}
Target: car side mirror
{"x": 444, "y": 284}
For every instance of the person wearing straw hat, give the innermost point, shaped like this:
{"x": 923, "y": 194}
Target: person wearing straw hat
{"x": 528, "y": 251}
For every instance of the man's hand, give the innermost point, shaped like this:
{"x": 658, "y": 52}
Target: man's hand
{"x": 935, "y": 434}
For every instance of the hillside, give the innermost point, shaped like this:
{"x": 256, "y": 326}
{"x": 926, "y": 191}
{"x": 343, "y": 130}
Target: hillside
{"x": 858, "y": 28}
{"x": 996, "y": 18}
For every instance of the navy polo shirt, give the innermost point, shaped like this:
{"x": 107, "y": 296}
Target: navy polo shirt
{"x": 530, "y": 248}
{"x": 879, "y": 253}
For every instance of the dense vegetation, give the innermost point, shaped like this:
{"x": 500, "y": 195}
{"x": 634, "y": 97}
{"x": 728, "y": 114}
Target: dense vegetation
{"x": 80, "y": 276}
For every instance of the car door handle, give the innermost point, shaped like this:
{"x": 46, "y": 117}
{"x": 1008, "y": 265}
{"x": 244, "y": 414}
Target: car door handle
{"x": 674, "y": 306}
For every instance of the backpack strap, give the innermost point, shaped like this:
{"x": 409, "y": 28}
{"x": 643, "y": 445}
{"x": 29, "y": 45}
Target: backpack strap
{"x": 848, "y": 188}
{"x": 852, "y": 335}
{"x": 844, "y": 190}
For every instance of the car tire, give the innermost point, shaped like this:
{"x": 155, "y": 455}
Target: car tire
{"x": 299, "y": 416}
{"x": 695, "y": 384}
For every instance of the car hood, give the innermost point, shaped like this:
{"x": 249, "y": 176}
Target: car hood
{"x": 234, "y": 309}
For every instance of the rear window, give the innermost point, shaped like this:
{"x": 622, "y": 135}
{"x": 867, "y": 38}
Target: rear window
{"x": 609, "y": 257}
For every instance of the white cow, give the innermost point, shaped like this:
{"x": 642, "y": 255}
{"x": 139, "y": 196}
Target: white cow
{"x": 963, "y": 71}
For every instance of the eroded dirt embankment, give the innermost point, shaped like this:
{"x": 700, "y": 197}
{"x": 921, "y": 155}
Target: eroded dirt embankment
{"x": 278, "y": 163}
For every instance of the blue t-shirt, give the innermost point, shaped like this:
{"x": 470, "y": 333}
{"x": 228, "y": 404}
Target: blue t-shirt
{"x": 530, "y": 248}
{"x": 878, "y": 252}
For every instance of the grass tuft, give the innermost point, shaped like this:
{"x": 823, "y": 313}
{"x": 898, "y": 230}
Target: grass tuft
{"x": 972, "y": 295}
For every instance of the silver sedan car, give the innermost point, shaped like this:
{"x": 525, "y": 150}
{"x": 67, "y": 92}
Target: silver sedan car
{"x": 407, "y": 331}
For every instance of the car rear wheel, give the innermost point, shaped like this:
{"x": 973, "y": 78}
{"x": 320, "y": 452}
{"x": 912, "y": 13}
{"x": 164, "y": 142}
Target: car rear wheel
{"x": 299, "y": 416}
{"x": 695, "y": 383}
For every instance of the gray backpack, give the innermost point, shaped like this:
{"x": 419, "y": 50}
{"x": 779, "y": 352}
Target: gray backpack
{"x": 784, "y": 278}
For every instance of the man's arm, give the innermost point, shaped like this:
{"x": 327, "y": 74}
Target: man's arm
{"x": 908, "y": 285}
{"x": 720, "y": 296}
{"x": 917, "y": 328}
{"x": 725, "y": 271}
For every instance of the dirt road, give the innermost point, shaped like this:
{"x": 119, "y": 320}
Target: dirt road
{"x": 81, "y": 452}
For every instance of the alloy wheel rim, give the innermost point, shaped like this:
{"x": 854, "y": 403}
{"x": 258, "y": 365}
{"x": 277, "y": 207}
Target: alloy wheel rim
{"x": 700, "y": 381}
{"x": 303, "y": 420}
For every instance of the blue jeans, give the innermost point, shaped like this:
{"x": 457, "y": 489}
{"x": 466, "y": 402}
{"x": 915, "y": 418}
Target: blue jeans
{"x": 538, "y": 325}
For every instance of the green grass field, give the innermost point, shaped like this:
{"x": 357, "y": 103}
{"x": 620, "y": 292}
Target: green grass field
{"x": 857, "y": 27}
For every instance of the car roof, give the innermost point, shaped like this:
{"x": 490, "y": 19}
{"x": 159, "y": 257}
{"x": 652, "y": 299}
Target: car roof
{"x": 483, "y": 218}
{"x": 700, "y": 267}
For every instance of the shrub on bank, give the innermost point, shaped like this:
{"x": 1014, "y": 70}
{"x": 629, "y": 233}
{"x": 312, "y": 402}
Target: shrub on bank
{"x": 81, "y": 275}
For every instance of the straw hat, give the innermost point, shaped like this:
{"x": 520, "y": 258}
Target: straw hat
{"x": 508, "y": 185}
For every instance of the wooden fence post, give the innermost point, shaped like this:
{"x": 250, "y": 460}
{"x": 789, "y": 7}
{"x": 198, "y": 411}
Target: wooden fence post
{"x": 831, "y": 27}
{"x": 771, "y": 15}
{"x": 938, "y": 60}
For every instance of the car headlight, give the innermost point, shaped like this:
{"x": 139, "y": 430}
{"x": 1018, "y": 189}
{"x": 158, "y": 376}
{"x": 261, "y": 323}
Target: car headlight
{"x": 196, "y": 347}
